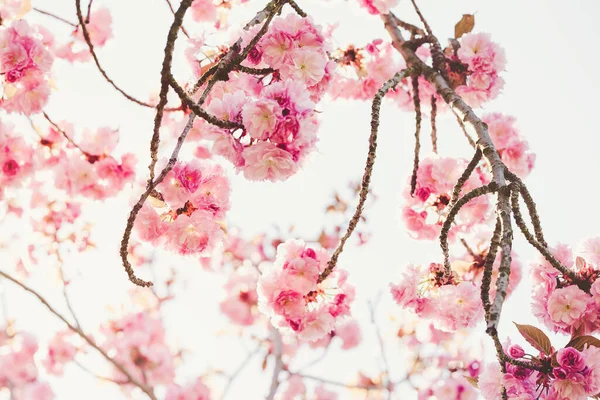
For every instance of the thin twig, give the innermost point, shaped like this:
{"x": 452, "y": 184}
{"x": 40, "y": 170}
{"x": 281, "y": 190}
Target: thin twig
{"x": 54, "y": 16}
{"x": 464, "y": 177}
{"x": 417, "y": 103}
{"x": 69, "y": 139}
{"x": 433, "y": 125}
{"x": 339, "y": 384}
{"x": 85, "y": 337}
{"x": 364, "y": 188}
{"x": 238, "y": 370}
{"x": 464, "y": 130}
{"x": 277, "y": 354}
{"x": 86, "y": 36}
{"x": 488, "y": 267}
{"x": 386, "y": 365}
{"x": 89, "y": 12}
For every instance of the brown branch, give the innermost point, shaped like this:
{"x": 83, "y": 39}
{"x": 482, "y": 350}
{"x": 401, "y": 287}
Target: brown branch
{"x": 364, "y": 188}
{"x": 164, "y": 84}
{"x": 297, "y": 8}
{"x": 480, "y": 191}
{"x": 488, "y": 267}
{"x": 414, "y": 30}
{"x": 464, "y": 177}
{"x": 89, "y": 12}
{"x": 531, "y": 207}
{"x": 54, "y": 16}
{"x": 464, "y": 130}
{"x": 422, "y": 18}
{"x": 254, "y": 71}
{"x": 433, "y": 125}
{"x": 417, "y": 103}
{"x": 86, "y": 36}
{"x": 77, "y": 330}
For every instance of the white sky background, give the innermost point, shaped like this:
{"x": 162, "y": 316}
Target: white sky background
{"x": 552, "y": 86}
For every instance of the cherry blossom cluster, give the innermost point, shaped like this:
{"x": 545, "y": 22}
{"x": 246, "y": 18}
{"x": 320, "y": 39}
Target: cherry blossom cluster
{"x": 573, "y": 375}
{"x": 18, "y": 371}
{"x": 196, "y": 390}
{"x": 241, "y": 303}
{"x": 440, "y": 296}
{"x": 188, "y": 212}
{"x": 138, "y": 343}
{"x": 278, "y": 110}
{"x": 473, "y": 71}
{"x": 16, "y": 156}
{"x": 99, "y": 27}
{"x": 25, "y": 64}
{"x": 512, "y": 147}
{"x": 291, "y": 295}
{"x": 14, "y": 9}
{"x": 423, "y": 213}
{"x": 90, "y": 170}
{"x": 60, "y": 352}
{"x": 561, "y": 304}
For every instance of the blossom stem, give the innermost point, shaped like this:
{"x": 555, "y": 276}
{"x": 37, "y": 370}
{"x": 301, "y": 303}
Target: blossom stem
{"x": 417, "y": 103}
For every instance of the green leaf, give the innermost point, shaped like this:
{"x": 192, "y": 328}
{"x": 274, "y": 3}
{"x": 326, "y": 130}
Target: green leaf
{"x": 472, "y": 380}
{"x": 535, "y": 337}
{"x": 465, "y": 25}
{"x": 579, "y": 342}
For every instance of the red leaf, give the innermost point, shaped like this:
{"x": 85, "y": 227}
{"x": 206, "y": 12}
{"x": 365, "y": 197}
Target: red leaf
{"x": 535, "y": 337}
{"x": 579, "y": 342}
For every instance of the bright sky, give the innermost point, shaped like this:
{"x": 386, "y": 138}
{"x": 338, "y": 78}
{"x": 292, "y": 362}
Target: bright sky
{"x": 551, "y": 87}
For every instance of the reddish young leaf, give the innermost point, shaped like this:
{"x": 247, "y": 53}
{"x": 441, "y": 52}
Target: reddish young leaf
{"x": 535, "y": 337}
{"x": 579, "y": 342}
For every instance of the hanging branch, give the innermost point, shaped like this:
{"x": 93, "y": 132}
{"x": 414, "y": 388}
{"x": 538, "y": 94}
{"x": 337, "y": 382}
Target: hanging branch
{"x": 433, "y": 124}
{"x": 473, "y": 122}
{"x": 417, "y": 103}
{"x": 366, "y": 179}
{"x": 464, "y": 130}
{"x": 464, "y": 177}
{"x": 490, "y": 258}
{"x": 531, "y": 207}
{"x": 164, "y": 84}
{"x": 480, "y": 191}
{"x": 86, "y": 36}
{"x": 225, "y": 65}
{"x": 88, "y": 339}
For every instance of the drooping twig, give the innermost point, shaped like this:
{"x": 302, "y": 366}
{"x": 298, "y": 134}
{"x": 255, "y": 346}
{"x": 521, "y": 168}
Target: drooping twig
{"x": 480, "y": 191}
{"x": 531, "y": 207}
{"x": 433, "y": 124}
{"x": 464, "y": 177}
{"x": 277, "y": 354}
{"x": 49, "y": 14}
{"x": 254, "y": 71}
{"x": 297, "y": 8}
{"x": 414, "y": 30}
{"x": 86, "y": 36}
{"x": 84, "y": 336}
{"x": 488, "y": 267}
{"x": 364, "y": 188}
{"x": 164, "y": 84}
{"x": 417, "y": 103}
